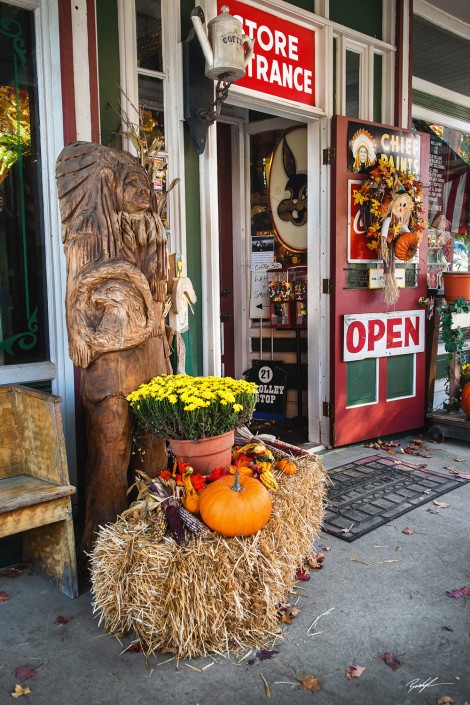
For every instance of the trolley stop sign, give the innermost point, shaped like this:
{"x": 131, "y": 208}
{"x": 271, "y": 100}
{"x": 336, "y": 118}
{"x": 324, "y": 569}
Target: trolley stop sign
{"x": 272, "y": 389}
{"x": 383, "y": 334}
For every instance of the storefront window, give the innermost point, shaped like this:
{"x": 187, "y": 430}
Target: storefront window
{"x": 149, "y": 34}
{"x": 353, "y": 66}
{"x": 23, "y": 310}
{"x": 449, "y": 217}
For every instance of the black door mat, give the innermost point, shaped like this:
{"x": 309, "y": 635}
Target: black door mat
{"x": 370, "y": 492}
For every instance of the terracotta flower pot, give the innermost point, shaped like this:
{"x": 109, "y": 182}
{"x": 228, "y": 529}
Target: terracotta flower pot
{"x": 456, "y": 284}
{"x": 207, "y": 454}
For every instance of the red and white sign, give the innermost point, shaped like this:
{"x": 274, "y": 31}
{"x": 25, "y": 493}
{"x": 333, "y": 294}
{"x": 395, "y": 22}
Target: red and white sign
{"x": 383, "y": 334}
{"x": 283, "y": 62}
{"x": 357, "y": 240}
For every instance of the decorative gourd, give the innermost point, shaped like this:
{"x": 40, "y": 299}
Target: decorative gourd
{"x": 243, "y": 470}
{"x": 191, "y": 498}
{"x": 465, "y": 399}
{"x": 406, "y": 246}
{"x": 235, "y": 506}
{"x": 288, "y": 467}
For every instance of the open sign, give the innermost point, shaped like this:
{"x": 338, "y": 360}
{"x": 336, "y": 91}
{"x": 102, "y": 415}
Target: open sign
{"x": 383, "y": 334}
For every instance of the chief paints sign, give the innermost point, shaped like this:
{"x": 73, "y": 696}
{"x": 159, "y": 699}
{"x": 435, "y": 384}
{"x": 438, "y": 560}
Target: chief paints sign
{"x": 383, "y": 334}
{"x": 283, "y": 62}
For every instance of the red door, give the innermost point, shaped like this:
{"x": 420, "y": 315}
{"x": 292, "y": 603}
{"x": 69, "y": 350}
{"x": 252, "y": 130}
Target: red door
{"x": 227, "y": 325}
{"x": 377, "y": 350}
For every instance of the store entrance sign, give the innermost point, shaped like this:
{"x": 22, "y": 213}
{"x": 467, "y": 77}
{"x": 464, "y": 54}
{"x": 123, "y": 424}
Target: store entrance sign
{"x": 283, "y": 62}
{"x": 383, "y": 334}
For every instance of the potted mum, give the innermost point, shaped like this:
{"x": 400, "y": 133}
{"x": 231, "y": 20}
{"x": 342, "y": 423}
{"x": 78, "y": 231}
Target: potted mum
{"x": 197, "y": 415}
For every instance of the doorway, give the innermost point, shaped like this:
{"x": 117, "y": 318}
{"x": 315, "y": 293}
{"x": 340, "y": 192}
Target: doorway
{"x": 263, "y": 226}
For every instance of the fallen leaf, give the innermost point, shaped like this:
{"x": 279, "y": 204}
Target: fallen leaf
{"x": 397, "y": 548}
{"x": 3, "y": 596}
{"x": 19, "y": 691}
{"x": 309, "y": 682}
{"x": 267, "y": 689}
{"x": 459, "y": 592}
{"x": 357, "y": 560}
{"x": 285, "y": 619}
{"x": 459, "y": 460}
{"x": 23, "y": 673}
{"x": 135, "y": 648}
{"x": 451, "y": 469}
{"x": 315, "y": 560}
{"x": 390, "y": 659}
{"x": 355, "y": 671}
{"x": 408, "y": 531}
{"x": 325, "y": 548}
{"x": 431, "y": 510}
{"x": 302, "y": 574}
{"x": 11, "y": 573}
{"x": 445, "y": 700}
{"x": 168, "y": 650}
{"x": 443, "y": 505}
{"x": 265, "y": 654}
{"x": 60, "y": 621}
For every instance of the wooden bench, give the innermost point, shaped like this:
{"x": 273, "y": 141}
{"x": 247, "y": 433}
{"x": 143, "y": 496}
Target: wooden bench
{"x": 34, "y": 483}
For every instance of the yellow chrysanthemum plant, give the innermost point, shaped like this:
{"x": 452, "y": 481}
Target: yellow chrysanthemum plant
{"x": 182, "y": 407}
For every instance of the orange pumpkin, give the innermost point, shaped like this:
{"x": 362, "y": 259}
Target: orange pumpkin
{"x": 406, "y": 246}
{"x": 288, "y": 467}
{"x": 465, "y": 399}
{"x": 235, "y": 506}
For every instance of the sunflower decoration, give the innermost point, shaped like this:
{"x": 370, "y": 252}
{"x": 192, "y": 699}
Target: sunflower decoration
{"x": 391, "y": 205}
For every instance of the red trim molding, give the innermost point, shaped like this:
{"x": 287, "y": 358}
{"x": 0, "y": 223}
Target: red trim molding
{"x": 66, "y": 71}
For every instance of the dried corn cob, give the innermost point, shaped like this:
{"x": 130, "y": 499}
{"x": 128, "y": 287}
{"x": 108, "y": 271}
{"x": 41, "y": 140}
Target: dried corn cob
{"x": 195, "y": 525}
{"x": 171, "y": 507}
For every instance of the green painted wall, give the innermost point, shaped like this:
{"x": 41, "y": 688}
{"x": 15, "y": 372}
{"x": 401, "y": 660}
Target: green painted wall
{"x": 108, "y": 70}
{"x": 193, "y": 249}
{"x": 363, "y": 15}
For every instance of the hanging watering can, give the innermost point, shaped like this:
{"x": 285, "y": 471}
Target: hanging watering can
{"x": 226, "y": 48}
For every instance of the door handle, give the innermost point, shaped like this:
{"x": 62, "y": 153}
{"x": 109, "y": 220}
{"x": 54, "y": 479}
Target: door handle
{"x": 225, "y": 316}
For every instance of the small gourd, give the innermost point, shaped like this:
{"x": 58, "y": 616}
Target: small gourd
{"x": 406, "y": 246}
{"x": 191, "y": 498}
{"x": 235, "y": 506}
{"x": 288, "y": 467}
{"x": 465, "y": 399}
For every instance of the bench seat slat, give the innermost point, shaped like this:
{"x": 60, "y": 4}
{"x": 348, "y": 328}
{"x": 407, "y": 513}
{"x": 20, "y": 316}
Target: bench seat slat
{"x": 25, "y": 491}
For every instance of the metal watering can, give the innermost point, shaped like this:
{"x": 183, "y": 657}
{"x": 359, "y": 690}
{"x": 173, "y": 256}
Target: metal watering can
{"x": 226, "y": 48}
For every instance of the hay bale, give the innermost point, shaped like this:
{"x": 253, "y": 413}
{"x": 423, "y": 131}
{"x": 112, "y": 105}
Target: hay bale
{"x": 214, "y": 594}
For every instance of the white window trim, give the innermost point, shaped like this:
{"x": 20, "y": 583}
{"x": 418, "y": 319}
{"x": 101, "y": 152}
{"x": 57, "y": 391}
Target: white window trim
{"x": 59, "y": 369}
{"x": 441, "y": 18}
{"x": 172, "y": 79}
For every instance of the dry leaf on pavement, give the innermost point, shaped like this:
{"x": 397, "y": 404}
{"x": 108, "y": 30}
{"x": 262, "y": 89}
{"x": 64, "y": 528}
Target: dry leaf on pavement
{"x": 443, "y": 505}
{"x": 19, "y": 691}
{"x": 309, "y": 682}
{"x": 3, "y": 596}
{"x": 355, "y": 671}
{"x": 445, "y": 700}
{"x": 390, "y": 659}
{"x": 25, "y": 672}
{"x": 408, "y": 531}
{"x": 60, "y": 621}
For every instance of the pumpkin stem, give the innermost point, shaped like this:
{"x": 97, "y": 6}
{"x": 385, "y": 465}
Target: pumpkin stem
{"x": 236, "y": 487}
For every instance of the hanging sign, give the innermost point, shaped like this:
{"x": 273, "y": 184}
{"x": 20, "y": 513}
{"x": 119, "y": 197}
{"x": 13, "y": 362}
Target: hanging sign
{"x": 383, "y": 334}
{"x": 370, "y": 146}
{"x": 272, "y": 389}
{"x": 283, "y": 62}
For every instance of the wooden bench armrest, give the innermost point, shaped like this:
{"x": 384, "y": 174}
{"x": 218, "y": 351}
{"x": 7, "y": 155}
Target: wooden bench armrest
{"x": 24, "y": 491}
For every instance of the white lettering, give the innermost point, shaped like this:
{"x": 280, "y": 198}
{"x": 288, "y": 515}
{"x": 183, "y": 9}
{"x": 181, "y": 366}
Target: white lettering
{"x": 280, "y": 42}
{"x": 308, "y": 80}
{"x": 262, "y": 68}
{"x": 287, "y": 75}
{"x": 298, "y": 85}
{"x": 293, "y": 47}
{"x": 267, "y": 46}
{"x": 275, "y": 73}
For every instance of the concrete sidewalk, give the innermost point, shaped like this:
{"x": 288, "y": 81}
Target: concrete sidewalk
{"x": 392, "y": 598}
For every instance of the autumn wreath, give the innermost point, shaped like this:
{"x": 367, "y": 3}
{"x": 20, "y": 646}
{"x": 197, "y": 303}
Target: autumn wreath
{"x": 391, "y": 205}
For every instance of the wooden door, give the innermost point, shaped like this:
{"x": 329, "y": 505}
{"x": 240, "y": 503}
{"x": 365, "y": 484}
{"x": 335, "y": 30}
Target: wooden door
{"x": 377, "y": 351}
{"x": 227, "y": 326}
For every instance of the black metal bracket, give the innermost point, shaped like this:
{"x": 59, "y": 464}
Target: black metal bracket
{"x": 198, "y": 90}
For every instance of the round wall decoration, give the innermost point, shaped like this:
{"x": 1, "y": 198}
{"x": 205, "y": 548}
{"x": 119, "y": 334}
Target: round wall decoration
{"x": 288, "y": 189}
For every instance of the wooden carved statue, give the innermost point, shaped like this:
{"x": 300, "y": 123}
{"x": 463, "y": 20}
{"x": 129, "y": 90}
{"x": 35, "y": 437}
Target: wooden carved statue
{"x": 117, "y": 267}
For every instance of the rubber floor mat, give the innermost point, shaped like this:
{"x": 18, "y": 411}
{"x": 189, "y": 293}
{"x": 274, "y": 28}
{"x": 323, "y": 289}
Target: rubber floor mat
{"x": 370, "y": 492}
